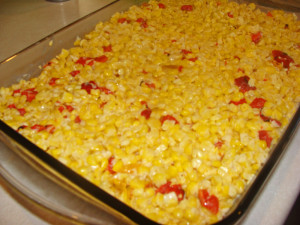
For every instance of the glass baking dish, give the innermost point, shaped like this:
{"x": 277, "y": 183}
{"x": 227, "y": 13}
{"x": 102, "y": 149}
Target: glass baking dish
{"x": 27, "y": 64}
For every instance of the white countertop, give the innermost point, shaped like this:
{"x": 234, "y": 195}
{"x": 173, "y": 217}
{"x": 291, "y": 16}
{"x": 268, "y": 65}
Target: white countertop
{"x": 25, "y": 22}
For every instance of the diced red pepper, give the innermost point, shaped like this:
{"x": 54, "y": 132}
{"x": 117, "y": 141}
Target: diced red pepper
{"x": 211, "y": 202}
{"x": 38, "y": 127}
{"x": 168, "y": 188}
{"x": 50, "y": 128}
{"x": 180, "y": 68}
{"x": 102, "y": 58}
{"x": 142, "y": 22}
{"x": 107, "y": 48}
{"x": 123, "y": 20}
{"x": 219, "y": 144}
{"x": 82, "y": 60}
{"x": 77, "y": 119}
{"x": 161, "y": 6}
{"x": 241, "y": 70}
{"x": 61, "y": 108}
{"x": 185, "y": 52}
{"x": 193, "y": 59}
{"x": 269, "y": 14}
{"x": 16, "y": 92}
{"x": 30, "y": 94}
{"x": 230, "y": 14}
{"x": 150, "y": 85}
{"x": 111, "y": 165}
{"x": 143, "y": 103}
{"x": 69, "y": 108}
{"x": 47, "y": 64}
{"x": 256, "y": 37}
{"x": 242, "y": 83}
{"x": 88, "y": 86}
{"x": 187, "y": 8}
{"x": 258, "y": 103}
{"x": 282, "y": 57}
{"x": 12, "y": 106}
{"x": 168, "y": 117}
{"x": 264, "y": 136}
{"x": 53, "y": 80}
{"x": 74, "y": 73}
{"x": 269, "y": 119}
{"x": 242, "y": 101}
{"x": 146, "y": 113}
{"x": 103, "y": 104}
{"x": 105, "y": 90}
{"x": 22, "y": 111}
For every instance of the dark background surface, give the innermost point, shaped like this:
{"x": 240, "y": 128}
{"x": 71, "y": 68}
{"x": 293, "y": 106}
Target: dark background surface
{"x": 294, "y": 215}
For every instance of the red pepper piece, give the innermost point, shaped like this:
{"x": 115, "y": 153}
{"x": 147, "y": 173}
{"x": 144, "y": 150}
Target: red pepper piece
{"x": 187, "y": 8}
{"x": 168, "y": 117}
{"x": 105, "y": 90}
{"x": 143, "y": 103}
{"x": 74, "y": 73}
{"x": 22, "y": 111}
{"x": 269, "y": 119}
{"x": 185, "y": 52}
{"x": 150, "y": 85}
{"x": 264, "y": 136}
{"x": 47, "y": 64}
{"x": 16, "y": 92}
{"x": 242, "y": 83}
{"x": 193, "y": 59}
{"x": 12, "y": 106}
{"x": 241, "y": 70}
{"x": 50, "y": 128}
{"x": 242, "y": 101}
{"x": 61, "y": 108}
{"x": 142, "y": 22}
{"x": 107, "y": 48}
{"x": 88, "y": 86}
{"x": 77, "y": 119}
{"x": 269, "y": 14}
{"x": 230, "y": 14}
{"x": 53, "y": 80}
{"x": 82, "y": 60}
{"x": 123, "y": 20}
{"x": 256, "y": 37}
{"x": 180, "y": 68}
{"x": 219, "y": 144}
{"x": 103, "y": 104}
{"x": 211, "y": 202}
{"x": 146, "y": 113}
{"x": 168, "y": 188}
{"x": 38, "y": 127}
{"x": 69, "y": 108}
{"x": 161, "y": 6}
{"x": 102, "y": 58}
{"x": 282, "y": 57}
{"x": 30, "y": 94}
{"x": 258, "y": 103}
{"x": 111, "y": 165}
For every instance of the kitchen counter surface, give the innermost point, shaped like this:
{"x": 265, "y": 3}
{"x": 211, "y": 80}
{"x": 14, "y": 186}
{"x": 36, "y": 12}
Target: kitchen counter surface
{"x": 22, "y": 23}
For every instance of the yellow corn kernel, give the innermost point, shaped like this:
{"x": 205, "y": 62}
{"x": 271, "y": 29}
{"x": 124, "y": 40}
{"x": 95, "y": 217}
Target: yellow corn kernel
{"x": 67, "y": 97}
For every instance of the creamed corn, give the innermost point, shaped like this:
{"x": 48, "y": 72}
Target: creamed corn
{"x": 172, "y": 106}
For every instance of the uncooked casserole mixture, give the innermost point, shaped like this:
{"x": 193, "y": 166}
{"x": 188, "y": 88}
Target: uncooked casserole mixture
{"x": 171, "y": 106}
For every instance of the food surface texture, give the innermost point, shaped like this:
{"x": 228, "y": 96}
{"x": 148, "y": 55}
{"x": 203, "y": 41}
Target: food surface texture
{"x": 171, "y": 107}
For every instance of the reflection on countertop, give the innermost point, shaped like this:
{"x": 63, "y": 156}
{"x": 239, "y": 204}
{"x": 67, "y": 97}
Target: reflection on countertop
{"x": 23, "y": 23}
